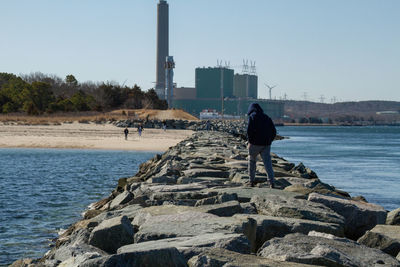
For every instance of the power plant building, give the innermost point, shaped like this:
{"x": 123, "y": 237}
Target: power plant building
{"x": 245, "y": 85}
{"x": 218, "y": 88}
{"x": 214, "y": 82}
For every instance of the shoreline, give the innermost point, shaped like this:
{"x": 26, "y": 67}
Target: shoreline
{"x": 88, "y": 136}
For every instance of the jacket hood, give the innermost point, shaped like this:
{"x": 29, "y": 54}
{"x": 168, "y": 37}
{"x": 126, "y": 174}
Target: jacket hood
{"x": 254, "y": 107}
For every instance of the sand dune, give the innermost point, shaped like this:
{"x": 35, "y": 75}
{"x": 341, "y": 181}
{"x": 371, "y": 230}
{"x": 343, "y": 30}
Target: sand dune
{"x": 87, "y": 136}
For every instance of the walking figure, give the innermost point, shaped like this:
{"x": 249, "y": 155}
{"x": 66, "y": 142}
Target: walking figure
{"x": 140, "y": 129}
{"x": 261, "y": 132}
{"x": 126, "y": 131}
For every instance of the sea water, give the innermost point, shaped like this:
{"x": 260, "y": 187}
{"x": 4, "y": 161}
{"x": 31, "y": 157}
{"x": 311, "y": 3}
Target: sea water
{"x": 359, "y": 160}
{"x": 43, "y": 191}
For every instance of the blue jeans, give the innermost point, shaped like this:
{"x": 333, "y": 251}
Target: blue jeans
{"x": 264, "y": 151}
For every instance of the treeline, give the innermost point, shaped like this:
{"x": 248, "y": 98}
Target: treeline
{"x": 39, "y": 93}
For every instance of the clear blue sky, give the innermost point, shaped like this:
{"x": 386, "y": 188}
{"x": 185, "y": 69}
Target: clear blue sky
{"x": 343, "y": 49}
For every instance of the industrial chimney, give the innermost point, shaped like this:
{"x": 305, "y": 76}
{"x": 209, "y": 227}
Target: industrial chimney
{"x": 162, "y": 47}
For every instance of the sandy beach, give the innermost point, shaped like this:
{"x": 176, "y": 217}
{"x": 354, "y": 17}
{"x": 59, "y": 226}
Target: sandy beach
{"x": 88, "y": 136}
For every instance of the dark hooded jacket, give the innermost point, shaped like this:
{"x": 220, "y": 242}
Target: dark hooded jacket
{"x": 260, "y": 129}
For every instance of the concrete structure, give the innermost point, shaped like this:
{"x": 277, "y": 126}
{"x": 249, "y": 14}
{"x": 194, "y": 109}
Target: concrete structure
{"x": 245, "y": 85}
{"x": 184, "y": 93}
{"x": 162, "y": 46}
{"x": 218, "y": 88}
{"x": 169, "y": 79}
{"x": 214, "y": 82}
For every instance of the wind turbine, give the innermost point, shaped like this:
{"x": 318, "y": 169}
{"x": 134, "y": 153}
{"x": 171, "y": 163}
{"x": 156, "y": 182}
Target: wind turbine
{"x": 270, "y": 89}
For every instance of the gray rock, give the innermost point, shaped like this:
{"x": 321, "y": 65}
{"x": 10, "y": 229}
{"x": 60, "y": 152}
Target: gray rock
{"x": 323, "y": 251}
{"x": 393, "y": 217}
{"x": 221, "y": 257}
{"x": 122, "y": 198}
{"x": 244, "y": 194}
{"x": 359, "y": 216}
{"x": 162, "y": 180}
{"x": 202, "y": 180}
{"x": 77, "y": 245}
{"x": 206, "y": 173}
{"x": 190, "y": 246}
{"x": 268, "y": 227}
{"x": 224, "y": 209}
{"x": 218, "y": 199}
{"x": 168, "y": 257}
{"x": 248, "y": 208}
{"x": 112, "y": 234}
{"x": 78, "y": 260}
{"x": 279, "y": 206}
{"x": 244, "y": 178}
{"x": 383, "y": 237}
{"x": 190, "y": 223}
{"x": 148, "y": 189}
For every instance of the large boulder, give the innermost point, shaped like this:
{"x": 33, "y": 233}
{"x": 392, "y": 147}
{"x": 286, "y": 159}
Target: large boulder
{"x": 393, "y": 217}
{"x": 359, "y": 216}
{"x": 222, "y": 257}
{"x": 268, "y": 227}
{"x": 148, "y": 189}
{"x": 112, "y": 234}
{"x": 193, "y": 245}
{"x": 168, "y": 257}
{"x": 326, "y": 250}
{"x": 244, "y": 194}
{"x": 279, "y": 206}
{"x": 122, "y": 198}
{"x": 383, "y": 237}
{"x": 216, "y": 199}
{"x": 189, "y": 223}
{"x": 225, "y": 209}
{"x": 206, "y": 173}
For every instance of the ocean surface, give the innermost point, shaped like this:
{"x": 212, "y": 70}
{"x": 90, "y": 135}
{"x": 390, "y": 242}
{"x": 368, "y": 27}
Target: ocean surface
{"x": 45, "y": 190}
{"x": 359, "y": 160}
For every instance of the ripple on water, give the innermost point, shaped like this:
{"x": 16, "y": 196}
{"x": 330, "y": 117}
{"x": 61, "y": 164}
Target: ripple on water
{"x": 43, "y": 190}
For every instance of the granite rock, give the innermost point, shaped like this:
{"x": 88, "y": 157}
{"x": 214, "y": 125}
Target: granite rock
{"x": 112, "y": 234}
{"x": 222, "y": 257}
{"x": 267, "y": 227}
{"x": 318, "y": 250}
{"x": 280, "y": 206}
{"x": 393, "y": 217}
{"x": 383, "y": 237}
{"x": 359, "y": 216}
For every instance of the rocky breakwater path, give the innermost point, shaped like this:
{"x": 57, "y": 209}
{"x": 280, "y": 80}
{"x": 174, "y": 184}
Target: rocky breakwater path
{"x": 191, "y": 207}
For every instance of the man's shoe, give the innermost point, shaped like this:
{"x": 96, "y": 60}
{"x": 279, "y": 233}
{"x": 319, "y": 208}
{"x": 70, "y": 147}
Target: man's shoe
{"x": 271, "y": 185}
{"x": 252, "y": 184}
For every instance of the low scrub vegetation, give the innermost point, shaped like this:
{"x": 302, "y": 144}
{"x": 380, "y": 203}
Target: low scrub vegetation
{"x": 38, "y": 93}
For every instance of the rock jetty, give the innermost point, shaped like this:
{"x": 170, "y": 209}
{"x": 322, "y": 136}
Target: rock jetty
{"x": 191, "y": 206}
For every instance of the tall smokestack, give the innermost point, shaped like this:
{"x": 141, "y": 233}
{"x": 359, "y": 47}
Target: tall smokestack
{"x": 162, "y": 46}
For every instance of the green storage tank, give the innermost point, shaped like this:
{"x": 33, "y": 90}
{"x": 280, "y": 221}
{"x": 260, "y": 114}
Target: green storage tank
{"x": 245, "y": 85}
{"x": 208, "y": 82}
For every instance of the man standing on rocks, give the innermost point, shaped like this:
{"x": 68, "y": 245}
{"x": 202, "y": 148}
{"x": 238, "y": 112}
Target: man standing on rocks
{"x": 260, "y": 132}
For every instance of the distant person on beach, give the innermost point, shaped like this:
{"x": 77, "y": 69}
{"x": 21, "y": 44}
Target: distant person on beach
{"x": 208, "y": 125}
{"x": 140, "y": 129}
{"x": 261, "y": 132}
{"x": 126, "y": 131}
{"x": 164, "y": 126}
